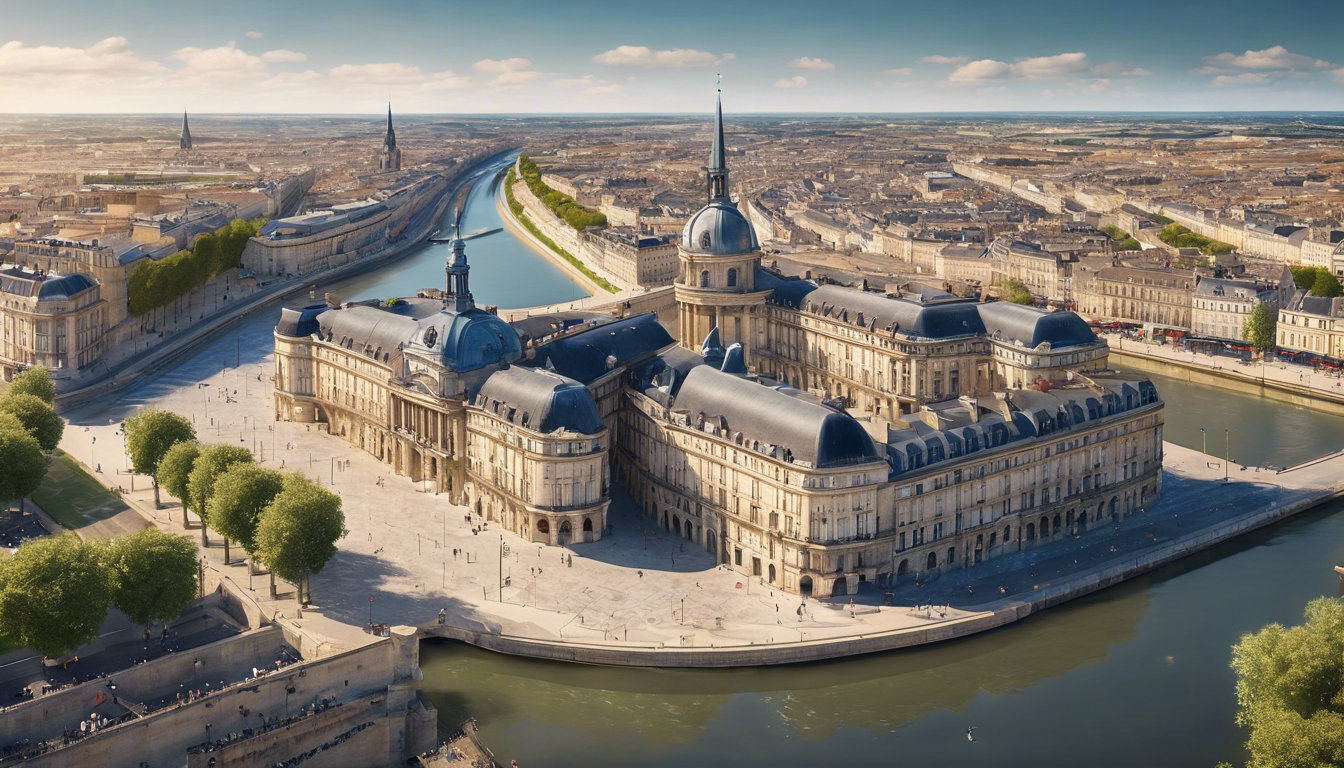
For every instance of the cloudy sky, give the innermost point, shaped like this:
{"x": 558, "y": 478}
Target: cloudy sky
{"x": 508, "y": 56}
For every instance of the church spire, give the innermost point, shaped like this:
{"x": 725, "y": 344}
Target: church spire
{"x": 184, "y": 140}
{"x": 390, "y": 140}
{"x": 457, "y": 292}
{"x": 718, "y": 165}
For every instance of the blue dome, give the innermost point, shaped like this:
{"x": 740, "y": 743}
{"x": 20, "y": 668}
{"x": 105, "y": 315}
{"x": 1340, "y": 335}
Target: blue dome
{"x": 719, "y": 229}
{"x": 64, "y": 287}
{"x": 475, "y": 339}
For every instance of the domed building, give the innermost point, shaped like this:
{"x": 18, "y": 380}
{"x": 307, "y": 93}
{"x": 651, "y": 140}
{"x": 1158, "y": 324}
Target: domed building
{"x": 719, "y": 254}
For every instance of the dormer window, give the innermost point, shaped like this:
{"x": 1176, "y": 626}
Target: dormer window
{"x": 705, "y": 240}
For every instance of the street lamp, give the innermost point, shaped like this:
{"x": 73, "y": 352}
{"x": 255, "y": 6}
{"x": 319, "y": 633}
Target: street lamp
{"x": 1206, "y": 440}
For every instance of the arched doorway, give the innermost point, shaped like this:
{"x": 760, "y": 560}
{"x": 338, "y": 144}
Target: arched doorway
{"x": 902, "y": 569}
{"x": 933, "y": 561}
{"x": 587, "y": 529}
{"x": 772, "y": 573}
{"x": 1045, "y": 527}
{"x": 1057, "y": 524}
{"x": 1031, "y": 531}
{"x": 805, "y": 586}
{"x": 1115, "y": 510}
{"x": 711, "y": 543}
{"x": 840, "y": 587}
{"x": 676, "y": 525}
{"x": 544, "y": 528}
{"x": 565, "y": 533}
{"x": 689, "y": 535}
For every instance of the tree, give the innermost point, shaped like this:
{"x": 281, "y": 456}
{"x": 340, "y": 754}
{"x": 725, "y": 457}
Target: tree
{"x": 1128, "y": 244}
{"x": 174, "y": 472}
{"x": 298, "y": 531}
{"x": 36, "y": 417}
{"x": 149, "y": 435}
{"x": 1326, "y": 285}
{"x": 54, "y": 594}
{"x": 1015, "y": 291}
{"x": 1304, "y": 277}
{"x": 155, "y": 574}
{"x": 21, "y": 456}
{"x": 1288, "y": 689}
{"x": 241, "y": 493}
{"x": 1261, "y": 327}
{"x": 35, "y": 381}
{"x": 210, "y": 464}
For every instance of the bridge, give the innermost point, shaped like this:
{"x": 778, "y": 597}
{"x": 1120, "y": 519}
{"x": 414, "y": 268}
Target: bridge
{"x": 469, "y": 236}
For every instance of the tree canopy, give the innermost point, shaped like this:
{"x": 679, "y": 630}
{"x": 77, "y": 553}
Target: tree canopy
{"x": 155, "y": 284}
{"x": 22, "y": 458}
{"x": 240, "y": 496}
{"x": 1262, "y": 326}
{"x": 299, "y": 529}
{"x": 54, "y": 594}
{"x": 37, "y": 418}
{"x": 175, "y": 471}
{"x": 149, "y": 435}
{"x": 212, "y": 462}
{"x": 1290, "y": 690}
{"x": 561, "y": 205}
{"x": 1015, "y": 291}
{"x": 35, "y": 381}
{"x": 1178, "y": 236}
{"x": 1326, "y": 285}
{"x": 155, "y": 574}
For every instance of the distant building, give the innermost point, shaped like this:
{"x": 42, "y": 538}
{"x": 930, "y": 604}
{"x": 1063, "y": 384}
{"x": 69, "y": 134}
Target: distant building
{"x": 184, "y": 141}
{"x": 1313, "y": 325}
{"x": 1221, "y": 306}
{"x": 1158, "y": 298}
{"x": 389, "y": 155}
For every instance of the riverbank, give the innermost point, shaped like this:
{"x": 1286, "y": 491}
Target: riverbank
{"x": 123, "y": 374}
{"x": 1296, "y": 384}
{"x": 521, "y": 232}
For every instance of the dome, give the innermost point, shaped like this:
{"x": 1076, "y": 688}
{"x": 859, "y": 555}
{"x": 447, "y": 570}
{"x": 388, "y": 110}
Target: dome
{"x": 719, "y": 229}
{"x": 474, "y": 339}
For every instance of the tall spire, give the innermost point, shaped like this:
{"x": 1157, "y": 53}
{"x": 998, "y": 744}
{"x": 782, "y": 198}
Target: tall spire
{"x": 457, "y": 291}
{"x": 390, "y": 140}
{"x": 184, "y": 141}
{"x": 718, "y": 165}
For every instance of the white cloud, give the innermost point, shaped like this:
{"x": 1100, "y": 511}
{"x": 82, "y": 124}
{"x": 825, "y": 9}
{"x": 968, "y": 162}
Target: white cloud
{"x": 1245, "y": 78}
{"x": 107, "y": 58}
{"x": 977, "y": 71}
{"x": 291, "y": 79}
{"x": 1097, "y": 86}
{"x": 726, "y": 57}
{"x": 497, "y": 66}
{"x": 797, "y": 81}
{"x": 937, "y": 59}
{"x": 570, "y": 82}
{"x": 643, "y": 56}
{"x": 209, "y": 65}
{"x": 1118, "y": 69}
{"x": 1041, "y": 67}
{"x": 1338, "y": 73}
{"x": 899, "y": 72}
{"x": 517, "y": 77}
{"x": 1137, "y": 72}
{"x": 807, "y": 62}
{"x": 602, "y": 90}
{"x": 255, "y": 35}
{"x": 1274, "y": 57}
{"x": 397, "y": 75}
{"x": 283, "y": 56}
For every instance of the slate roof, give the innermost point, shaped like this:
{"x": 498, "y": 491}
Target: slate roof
{"x": 541, "y": 401}
{"x": 584, "y": 355}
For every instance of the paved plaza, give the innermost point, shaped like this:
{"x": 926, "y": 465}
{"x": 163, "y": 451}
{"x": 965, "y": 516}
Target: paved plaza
{"x": 410, "y": 553}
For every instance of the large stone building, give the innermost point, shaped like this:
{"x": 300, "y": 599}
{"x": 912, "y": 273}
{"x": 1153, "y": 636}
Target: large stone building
{"x": 1221, "y": 306}
{"x": 1158, "y": 298}
{"x": 978, "y": 429}
{"x": 1312, "y": 326}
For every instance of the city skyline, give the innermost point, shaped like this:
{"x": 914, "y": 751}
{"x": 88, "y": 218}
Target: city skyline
{"x": 516, "y": 58}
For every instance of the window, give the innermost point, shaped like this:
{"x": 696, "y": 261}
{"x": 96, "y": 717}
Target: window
{"x": 705, "y": 240}
{"x": 732, "y": 278}
{"x": 704, "y": 276}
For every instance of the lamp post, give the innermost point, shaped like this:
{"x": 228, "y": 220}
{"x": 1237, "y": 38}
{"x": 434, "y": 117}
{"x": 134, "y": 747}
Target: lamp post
{"x": 1205, "y": 435}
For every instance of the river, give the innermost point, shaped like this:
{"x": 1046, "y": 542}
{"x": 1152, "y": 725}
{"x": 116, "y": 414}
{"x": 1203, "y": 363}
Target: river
{"x": 1136, "y": 675}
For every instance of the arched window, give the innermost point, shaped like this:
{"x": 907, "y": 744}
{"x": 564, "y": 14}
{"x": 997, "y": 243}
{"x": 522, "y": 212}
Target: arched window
{"x": 705, "y": 240}
{"x": 704, "y": 276}
{"x": 732, "y": 278}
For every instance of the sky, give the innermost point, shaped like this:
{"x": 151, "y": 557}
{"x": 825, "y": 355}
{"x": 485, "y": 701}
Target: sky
{"x": 506, "y": 56}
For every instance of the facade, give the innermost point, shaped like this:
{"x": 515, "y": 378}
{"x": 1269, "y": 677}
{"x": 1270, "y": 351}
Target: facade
{"x": 389, "y": 155}
{"x": 1220, "y": 307}
{"x": 56, "y": 321}
{"x": 1313, "y": 325}
{"x": 1159, "y": 298}
{"x": 978, "y": 429}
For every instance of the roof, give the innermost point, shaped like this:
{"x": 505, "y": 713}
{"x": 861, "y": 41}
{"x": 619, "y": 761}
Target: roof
{"x": 64, "y": 287}
{"x": 719, "y": 229}
{"x": 591, "y": 354}
{"x": 812, "y": 433}
{"x": 300, "y": 322}
{"x": 20, "y": 281}
{"x": 1031, "y": 327}
{"x": 541, "y": 401}
{"x": 464, "y": 341}
{"x": 883, "y": 313}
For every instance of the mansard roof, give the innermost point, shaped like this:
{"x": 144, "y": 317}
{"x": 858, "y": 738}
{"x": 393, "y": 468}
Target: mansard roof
{"x": 539, "y": 400}
{"x": 588, "y": 355}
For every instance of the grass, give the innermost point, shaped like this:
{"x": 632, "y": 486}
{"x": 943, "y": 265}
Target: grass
{"x": 518, "y": 213}
{"x": 72, "y": 497}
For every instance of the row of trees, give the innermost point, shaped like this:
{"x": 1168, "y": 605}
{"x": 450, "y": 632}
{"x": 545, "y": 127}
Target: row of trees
{"x": 1318, "y": 280}
{"x": 55, "y": 591}
{"x": 29, "y": 431}
{"x": 155, "y": 284}
{"x": 283, "y": 520}
{"x": 521, "y": 215}
{"x": 1178, "y": 236}
{"x": 561, "y": 205}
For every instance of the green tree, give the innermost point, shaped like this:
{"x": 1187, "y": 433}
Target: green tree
{"x": 174, "y": 472}
{"x": 1289, "y": 683}
{"x": 35, "y": 381}
{"x": 1261, "y": 327}
{"x": 241, "y": 493}
{"x": 1015, "y": 291}
{"x": 213, "y": 461}
{"x": 21, "y": 456}
{"x": 36, "y": 417}
{"x": 1326, "y": 285}
{"x": 149, "y": 435}
{"x": 1304, "y": 277}
{"x": 54, "y": 594}
{"x": 155, "y": 574}
{"x": 1128, "y": 244}
{"x": 298, "y": 531}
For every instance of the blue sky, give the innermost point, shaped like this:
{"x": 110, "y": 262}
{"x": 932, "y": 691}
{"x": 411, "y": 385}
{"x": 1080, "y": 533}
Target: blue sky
{"x": 786, "y": 56}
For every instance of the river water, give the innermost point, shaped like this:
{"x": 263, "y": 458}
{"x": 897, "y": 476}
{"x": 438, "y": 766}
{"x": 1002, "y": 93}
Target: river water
{"x": 1137, "y": 675}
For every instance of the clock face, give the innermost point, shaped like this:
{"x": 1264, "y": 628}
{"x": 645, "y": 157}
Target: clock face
{"x": 431, "y": 336}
